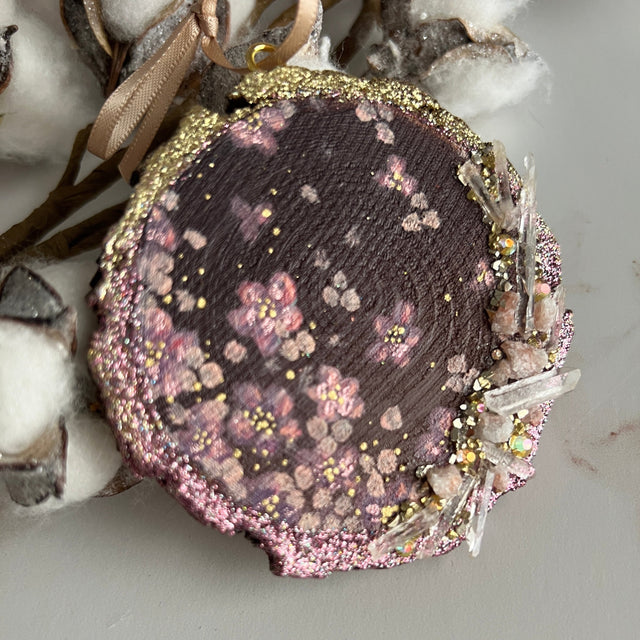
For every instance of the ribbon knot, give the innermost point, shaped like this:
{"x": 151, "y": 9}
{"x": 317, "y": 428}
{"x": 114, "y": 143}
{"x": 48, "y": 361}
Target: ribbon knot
{"x": 144, "y": 98}
{"x": 208, "y": 22}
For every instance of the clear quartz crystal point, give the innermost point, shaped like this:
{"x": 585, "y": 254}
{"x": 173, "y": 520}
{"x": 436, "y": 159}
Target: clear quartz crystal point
{"x": 397, "y": 537}
{"x": 559, "y": 298}
{"x": 479, "y": 519}
{"x": 499, "y": 456}
{"x": 532, "y": 391}
{"x": 448, "y": 516}
{"x": 471, "y": 177}
{"x": 509, "y": 214}
{"x": 527, "y": 268}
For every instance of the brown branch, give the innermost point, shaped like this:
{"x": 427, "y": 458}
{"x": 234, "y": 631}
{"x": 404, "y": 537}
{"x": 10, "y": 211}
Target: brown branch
{"x": 84, "y": 236}
{"x": 75, "y": 159}
{"x": 361, "y": 29}
{"x": 61, "y": 203}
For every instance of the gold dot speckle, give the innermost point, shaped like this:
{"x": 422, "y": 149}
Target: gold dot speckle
{"x": 185, "y": 278}
{"x": 211, "y": 165}
{"x": 168, "y": 299}
{"x": 285, "y": 462}
{"x": 256, "y": 467}
{"x": 276, "y": 231}
{"x": 447, "y": 297}
{"x": 207, "y": 196}
{"x": 290, "y": 375}
{"x": 201, "y": 304}
{"x": 312, "y": 325}
{"x": 267, "y": 213}
{"x": 397, "y": 451}
{"x": 197, "y": 386}
{"x": 199, "y": 176}
{"x": 170, "y": 399}
{"x": 375, "y": 443}
{"x": 221, "y": 397}
{"x": 443, "y": 388}
{"x": 237, "y": 453}
{"x": 270, "y": 250}
{"x": 274, "y": 192}
{"x": 208, "y": 343}
{"x": 405, "y": 436}
{"x": 363, "y": 446}
{"x": 201, "y": 271}
{"x": 402, "y": 467}
{"x": 433, "y": 364}
{"x": 239, "y": 265}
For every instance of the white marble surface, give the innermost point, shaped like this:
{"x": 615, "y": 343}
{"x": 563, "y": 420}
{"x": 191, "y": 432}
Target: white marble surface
{"x": 561, "y": 557}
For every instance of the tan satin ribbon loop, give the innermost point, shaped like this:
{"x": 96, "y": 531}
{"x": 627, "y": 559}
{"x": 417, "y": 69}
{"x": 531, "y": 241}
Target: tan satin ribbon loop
{"x": 145, "y": 97}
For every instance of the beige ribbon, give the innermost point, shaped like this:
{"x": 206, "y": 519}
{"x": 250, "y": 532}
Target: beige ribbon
{"x": 144, "y": 98}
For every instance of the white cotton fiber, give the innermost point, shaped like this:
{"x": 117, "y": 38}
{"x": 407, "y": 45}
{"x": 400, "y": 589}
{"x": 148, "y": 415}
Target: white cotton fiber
{"x": 71, "y": 279}
{"x": 129, "y": 19}
{"x": 319, "y": 62}
{"x": 51, "y": 94}
{"x": 481, "y": 13}
{"x": 471, "y": 87}
{"x": 36, "y": 385}
{"x": 92, "y": 459}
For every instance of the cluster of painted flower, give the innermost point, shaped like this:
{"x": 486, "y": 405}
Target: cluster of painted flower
{"x": 256, "y": 432}
{"x": 496, "y": 431}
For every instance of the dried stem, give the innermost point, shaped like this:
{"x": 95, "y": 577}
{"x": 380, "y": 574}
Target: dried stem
{"x": 61, "y": 203}
{"x": 369, "y": 16}
{"x": 84, "y": 236}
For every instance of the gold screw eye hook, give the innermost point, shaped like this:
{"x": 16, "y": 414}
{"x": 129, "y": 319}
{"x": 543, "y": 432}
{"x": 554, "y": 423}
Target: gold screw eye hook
{"x": 261, "y": 47}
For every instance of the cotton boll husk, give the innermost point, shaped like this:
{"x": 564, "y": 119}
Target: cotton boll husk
{"x": 471, "y": 87}
{"x": 71, "y": 279}
{"x": 36, "y": 385}
{"x": 481, "y": 13}
{"x": 126, "y": 20}
{"x": 51, "y": 94}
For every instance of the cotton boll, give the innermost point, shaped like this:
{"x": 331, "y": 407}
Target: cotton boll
{"x": 51, "y": 94}
{"x": 481, "y": 13}
{"x": 470, "y": 87}
{"x": 36, "y": 385}
{"x": 127, "y": 20}
{"x": 92, "y": 459}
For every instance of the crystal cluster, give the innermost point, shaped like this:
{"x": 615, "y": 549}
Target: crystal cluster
{"x": 493, "y": 433}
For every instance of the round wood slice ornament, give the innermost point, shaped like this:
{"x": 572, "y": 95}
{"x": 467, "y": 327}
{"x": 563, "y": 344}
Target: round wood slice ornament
{"x": 331, "y": 320}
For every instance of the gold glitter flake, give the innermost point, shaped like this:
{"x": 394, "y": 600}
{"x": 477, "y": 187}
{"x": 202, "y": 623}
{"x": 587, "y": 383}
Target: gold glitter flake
{"x": 207, "y": 196}
{"x": 276, "y": 231}
{"x": 447, "y": 297}
{"x": 290, "y": 374}
{"x": 201, "y": 304}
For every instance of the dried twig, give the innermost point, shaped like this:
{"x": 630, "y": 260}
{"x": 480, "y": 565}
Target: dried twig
{"x": 84, "y": 236}
{"x": 369, "y": 16}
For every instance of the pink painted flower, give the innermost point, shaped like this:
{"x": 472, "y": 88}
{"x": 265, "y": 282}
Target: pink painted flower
{"x": 336, "y": 397}
{"x": 276, "y": 494}
{"x": 262, "y": 418}
{"x": 396, "y": 336}
{"x": 268, "y": 314}
{"x": 155, "y": 266}
{"x": 174, "y": 361}
{"x": 202, "y": 428}
{"x": 159, "y": 230}
{"x": 258, "y": 129}
{"x": 395, "y": 177}
{"x": 251, "y": 219}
